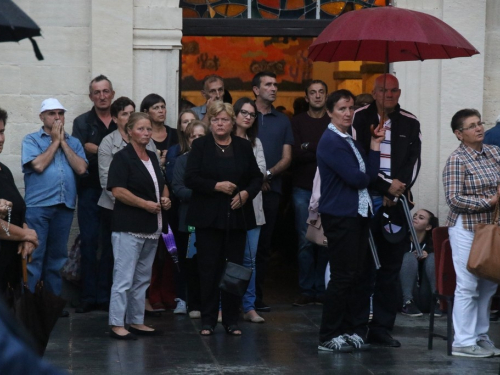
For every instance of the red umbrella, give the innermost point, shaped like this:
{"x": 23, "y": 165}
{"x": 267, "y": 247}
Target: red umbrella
{"x": 388, "y": 34}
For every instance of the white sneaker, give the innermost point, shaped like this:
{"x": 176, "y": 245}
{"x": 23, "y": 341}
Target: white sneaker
{"x": 181, "y": 307}
{"x": 471, "y": 351}
{"x": 195, "y": 314}
{"x": 489, "y": 345}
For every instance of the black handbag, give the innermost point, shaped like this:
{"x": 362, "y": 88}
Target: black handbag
{"x": 235, "y": 277}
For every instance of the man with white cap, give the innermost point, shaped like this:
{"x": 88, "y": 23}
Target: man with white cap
{"x": 51, "y": 160}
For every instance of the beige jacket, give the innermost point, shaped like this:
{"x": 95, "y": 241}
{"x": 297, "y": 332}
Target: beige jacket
{"x": 258, "y": 151}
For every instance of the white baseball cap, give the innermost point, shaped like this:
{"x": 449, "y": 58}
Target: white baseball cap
{"x": 50, "y": 104}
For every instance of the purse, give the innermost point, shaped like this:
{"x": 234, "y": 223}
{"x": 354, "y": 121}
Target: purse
{"x": 315, "y": 233}
{"x": 484, "y": 257}
{"x": 235, "y": 277}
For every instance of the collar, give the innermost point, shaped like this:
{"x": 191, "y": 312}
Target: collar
{"x": 334, "y": 129}
{"x": 96, "y": 118}
{"x": 471, "y": 152}
{"x": 117, "y": 138}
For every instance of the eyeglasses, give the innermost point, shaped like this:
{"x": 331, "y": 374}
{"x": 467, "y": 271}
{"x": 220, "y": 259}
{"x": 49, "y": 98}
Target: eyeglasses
{"x": 472, "y": 126}
{"x": 246, "y": 113}
{"x": 215, "y": 120}
{"x": 158, "y": 107}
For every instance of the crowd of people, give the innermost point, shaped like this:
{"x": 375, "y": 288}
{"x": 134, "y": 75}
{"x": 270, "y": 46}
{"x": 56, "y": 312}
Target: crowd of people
{"x": 215, "y": 183}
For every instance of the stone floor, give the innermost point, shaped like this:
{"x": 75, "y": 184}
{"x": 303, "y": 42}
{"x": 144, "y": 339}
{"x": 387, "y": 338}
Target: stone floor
{"x": 285, "y": 344}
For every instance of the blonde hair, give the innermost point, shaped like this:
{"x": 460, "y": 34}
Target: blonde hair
{"x": 189, "y": 131}
{"x": 133, "y": 119}
{"x": 219, "y": 106}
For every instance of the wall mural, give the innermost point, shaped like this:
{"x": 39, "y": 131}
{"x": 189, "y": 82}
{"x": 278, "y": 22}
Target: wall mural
{"x": 238, "y": 59}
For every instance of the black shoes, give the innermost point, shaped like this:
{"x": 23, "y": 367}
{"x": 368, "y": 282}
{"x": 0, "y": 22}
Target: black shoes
{"x": 128, "y": 336}
{"x": 85, "y": 307}
{"x": 304, "y": 300}
{"x": 261, "y": 306}
{"x": 64, "y": 314}
{"x": 383, "y": 338}
{"x": 141, "y": 332}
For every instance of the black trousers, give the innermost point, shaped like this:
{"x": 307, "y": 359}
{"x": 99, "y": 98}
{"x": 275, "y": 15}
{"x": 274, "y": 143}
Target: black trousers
{"x": 347, "y": 251}
{"x": 190, "y": 266}
{"x": 270, "y": 204}
{"x": 382, "y": 283}
{"x": 213, "y": 248}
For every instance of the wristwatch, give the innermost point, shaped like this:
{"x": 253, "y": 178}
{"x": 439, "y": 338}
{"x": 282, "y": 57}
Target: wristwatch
{"x": 304, "y": 146}
{"x": 269, "y": 175}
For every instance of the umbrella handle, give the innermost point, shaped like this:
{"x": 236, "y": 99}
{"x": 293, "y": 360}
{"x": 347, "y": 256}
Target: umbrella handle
{"x": 25, "y": 270}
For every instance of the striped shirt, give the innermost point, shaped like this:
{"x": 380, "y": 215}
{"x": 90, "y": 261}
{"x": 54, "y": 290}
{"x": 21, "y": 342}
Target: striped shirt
{"x": 470, "y": 181}
{"x": 385, "y": 150}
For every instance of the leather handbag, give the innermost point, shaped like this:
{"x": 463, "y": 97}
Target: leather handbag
{"x": 484, "y": 257}
{"x": 315, "y": 233}
{"x": 235, "y": 279}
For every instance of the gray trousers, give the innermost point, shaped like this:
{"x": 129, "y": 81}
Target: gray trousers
{"x": 409, "y": 272}
{"x": 131, "y": 277}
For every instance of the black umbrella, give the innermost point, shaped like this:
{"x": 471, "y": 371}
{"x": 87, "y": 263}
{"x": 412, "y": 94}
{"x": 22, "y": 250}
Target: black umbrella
{"x": 38, "y": 311}
{"x": 16, "y": 25}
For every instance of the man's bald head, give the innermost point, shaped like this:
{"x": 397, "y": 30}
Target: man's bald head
{"x": 386, "y": 92}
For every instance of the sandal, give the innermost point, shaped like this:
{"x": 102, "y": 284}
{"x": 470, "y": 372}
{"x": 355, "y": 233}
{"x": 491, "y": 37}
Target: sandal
{"x": 208, "y": 328}
{"x": 232, "y": 330}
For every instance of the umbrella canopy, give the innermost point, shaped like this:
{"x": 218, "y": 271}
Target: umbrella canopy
{"x": 16, "y": 25}
{"x": 388, "y": 34}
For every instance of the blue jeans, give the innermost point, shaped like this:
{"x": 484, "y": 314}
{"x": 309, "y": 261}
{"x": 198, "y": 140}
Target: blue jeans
{"x": 95, "y": 275}
{"x": 250, "y": 251}
{"x": 52, "y": 225}
{"x": 312, "y": 258}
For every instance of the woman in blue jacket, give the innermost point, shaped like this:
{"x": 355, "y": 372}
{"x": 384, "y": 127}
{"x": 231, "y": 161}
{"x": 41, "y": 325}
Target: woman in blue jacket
{"x": 345, "y": 207}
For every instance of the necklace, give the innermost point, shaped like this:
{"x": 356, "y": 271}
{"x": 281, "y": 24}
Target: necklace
{"x": 222, "y": 148}
{"x": 6, "y": 229}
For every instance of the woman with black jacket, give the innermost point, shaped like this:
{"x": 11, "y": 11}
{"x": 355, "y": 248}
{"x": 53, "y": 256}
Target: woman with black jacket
{"x": 224, "y": 176}
{"x": 136, "y": 181}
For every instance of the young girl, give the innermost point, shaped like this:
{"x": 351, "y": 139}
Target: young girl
{"x": 193, "y": 130}
{"x": 424, "y": 222}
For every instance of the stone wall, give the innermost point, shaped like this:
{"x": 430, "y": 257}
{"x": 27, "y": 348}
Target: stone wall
{"x": 434, "y": 90}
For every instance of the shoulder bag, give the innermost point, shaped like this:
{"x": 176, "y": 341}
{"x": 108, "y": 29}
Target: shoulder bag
{"x": 484, "y": 257}
{"x": 315, "y": 233}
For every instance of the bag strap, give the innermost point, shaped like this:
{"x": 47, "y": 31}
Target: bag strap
{"x": 496, "y": 212}
{"x": 244, "y": 224}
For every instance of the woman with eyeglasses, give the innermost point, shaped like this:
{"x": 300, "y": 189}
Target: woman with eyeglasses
{"x": 246, "y": 127}
{"x": 471, "y": 185}
{"x": 223, "y": 174}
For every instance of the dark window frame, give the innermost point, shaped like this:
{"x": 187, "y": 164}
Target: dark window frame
{"x": 252, "y": 27}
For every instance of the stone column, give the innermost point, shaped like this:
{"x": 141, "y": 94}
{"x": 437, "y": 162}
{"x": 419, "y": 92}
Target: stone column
{"x": 434, "y": 90}
{"x": 111, "y": 50}
{"x": 157, "y": 42}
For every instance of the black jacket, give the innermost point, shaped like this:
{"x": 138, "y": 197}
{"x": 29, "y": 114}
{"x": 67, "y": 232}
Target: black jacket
{"x": 129, "y": 172}
{"x": 405, "y": 145}
{"x": 202, "y": 174}
{"x": 89, "y": 128}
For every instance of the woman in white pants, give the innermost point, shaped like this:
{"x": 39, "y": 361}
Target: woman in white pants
{"x": 137, "y": 183}
{"x": 470, "y": 179}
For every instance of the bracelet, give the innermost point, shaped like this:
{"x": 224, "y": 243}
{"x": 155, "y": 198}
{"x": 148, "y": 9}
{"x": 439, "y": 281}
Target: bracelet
{"x": 6, "y": 229}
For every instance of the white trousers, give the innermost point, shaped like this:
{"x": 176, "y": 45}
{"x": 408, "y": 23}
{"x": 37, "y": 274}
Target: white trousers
{"x": 134, "y": 258}
{"x": 471, "y": 309}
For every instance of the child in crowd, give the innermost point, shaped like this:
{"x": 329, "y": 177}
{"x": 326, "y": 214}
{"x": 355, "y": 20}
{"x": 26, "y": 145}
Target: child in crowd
{"x": 424, "y": 222}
